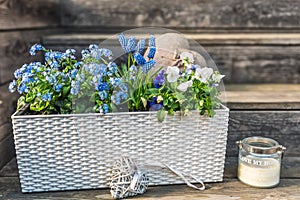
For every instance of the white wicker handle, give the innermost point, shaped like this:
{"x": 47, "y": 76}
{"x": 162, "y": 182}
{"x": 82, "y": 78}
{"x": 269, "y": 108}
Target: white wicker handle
{"x": 182, "y": 175}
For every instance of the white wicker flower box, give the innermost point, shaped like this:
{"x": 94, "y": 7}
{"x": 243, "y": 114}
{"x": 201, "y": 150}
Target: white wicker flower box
{"x": 76, "y": 151}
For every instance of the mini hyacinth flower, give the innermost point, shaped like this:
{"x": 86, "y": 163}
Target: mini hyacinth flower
{"x": 47, "y": 97}
{"x": 159, "y": 79}
{"x": 34, "y": 48}
{"x": 173, "y": 74}
{"x": 152, "y": 47}
{"x": 130, "y": 48}
{"x": 140, "y": 60}
{"x": 140, "y": 46}
{"x": 123, "y": 41}
{"x": 147, "y": 66}
{"x": 128, "y": 45}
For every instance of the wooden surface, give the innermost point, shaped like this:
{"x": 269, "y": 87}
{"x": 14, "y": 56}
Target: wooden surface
{"x": 179, "y": 13}
{"x": 230, "y": 189}
{"x": 20, "y": 14}
{"x": 263, "y": 96}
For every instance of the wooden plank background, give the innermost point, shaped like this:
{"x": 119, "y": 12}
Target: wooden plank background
{"x": 179, "y": 13}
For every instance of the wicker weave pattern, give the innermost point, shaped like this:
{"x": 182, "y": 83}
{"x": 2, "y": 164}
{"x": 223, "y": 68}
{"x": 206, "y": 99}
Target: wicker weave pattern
{"x": 70, "y": 152}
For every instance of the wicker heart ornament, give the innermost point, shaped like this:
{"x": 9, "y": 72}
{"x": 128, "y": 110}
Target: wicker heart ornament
{"x": 126, "y": 179}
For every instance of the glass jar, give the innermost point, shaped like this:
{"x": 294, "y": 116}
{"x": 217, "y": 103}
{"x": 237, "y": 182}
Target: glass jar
{"x": 259, "y": 161}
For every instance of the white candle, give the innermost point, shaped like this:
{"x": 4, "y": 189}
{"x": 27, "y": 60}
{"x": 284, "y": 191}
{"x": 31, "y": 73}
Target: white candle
{"x": 259, "y": 172}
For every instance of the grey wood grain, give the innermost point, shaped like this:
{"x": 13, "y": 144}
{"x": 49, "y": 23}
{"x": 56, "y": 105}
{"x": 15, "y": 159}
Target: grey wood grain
{"x": 7, "y": 148}
{"x": 230, "y": 189}
{"x": 178, "y": 13}
{"x": 283, "y": 126}
{"x": 14, "y": 49}
{"x": 17, "y": 14}
{"x": 263, "y": 96}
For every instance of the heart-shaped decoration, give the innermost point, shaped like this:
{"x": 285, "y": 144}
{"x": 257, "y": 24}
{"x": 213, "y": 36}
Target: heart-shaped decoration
{"x": 126, "y": 179}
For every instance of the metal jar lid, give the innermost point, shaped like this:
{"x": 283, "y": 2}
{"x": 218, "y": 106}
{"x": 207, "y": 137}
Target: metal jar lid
{"x": 260, "y": 145}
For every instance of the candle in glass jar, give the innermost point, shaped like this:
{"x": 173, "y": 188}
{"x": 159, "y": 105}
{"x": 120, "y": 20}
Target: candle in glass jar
{"x": 259, "y": 172}
{"x": 259, "y": 161}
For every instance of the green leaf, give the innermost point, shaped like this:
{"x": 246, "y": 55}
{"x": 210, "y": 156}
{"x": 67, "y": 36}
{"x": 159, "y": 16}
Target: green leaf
{"x": 161, "y": 115}
{"x": 66, "y": 90}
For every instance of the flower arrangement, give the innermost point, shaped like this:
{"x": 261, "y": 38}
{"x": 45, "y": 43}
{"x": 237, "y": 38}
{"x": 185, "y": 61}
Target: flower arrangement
{"x": 95, "y": 83}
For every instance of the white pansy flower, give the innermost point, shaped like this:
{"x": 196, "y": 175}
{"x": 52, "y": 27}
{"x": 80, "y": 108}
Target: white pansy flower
{"x": 217, "y": 77}
{"x": 184, "y": 86}
{"x": 173, "y": 74}
{"x": 187, "y": 55}
{"x": 203, "y": 74}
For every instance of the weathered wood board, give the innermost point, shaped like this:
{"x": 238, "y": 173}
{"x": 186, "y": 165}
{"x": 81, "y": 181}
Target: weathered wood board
{"x": 7, "y": 148}
{"x": 230, "y": 189}
{"x": 263, "y": 96}
{"x": 20, "y": 14}
{"x": 283, "y": 126}
{"x": 14, "y": 50}
{"x": 179, "y": 13}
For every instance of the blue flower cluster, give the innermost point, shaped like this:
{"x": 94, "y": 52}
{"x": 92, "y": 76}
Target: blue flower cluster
{"x": 97, "y": 73}
{"x": 120, "y": 93}
{"x": 26, "y": 74}
{"x": 97, "y": 53}
{"x": 129, "y": 46}
{"x": 42, "y": 81}
{"x": 34, "y": 48}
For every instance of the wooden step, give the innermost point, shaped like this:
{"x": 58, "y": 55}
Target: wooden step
{"x": 242, "y": 57}
{"x": 263, "y": 96}
{"x": 230, "y": 189}
{"x": 194, "y": 14}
